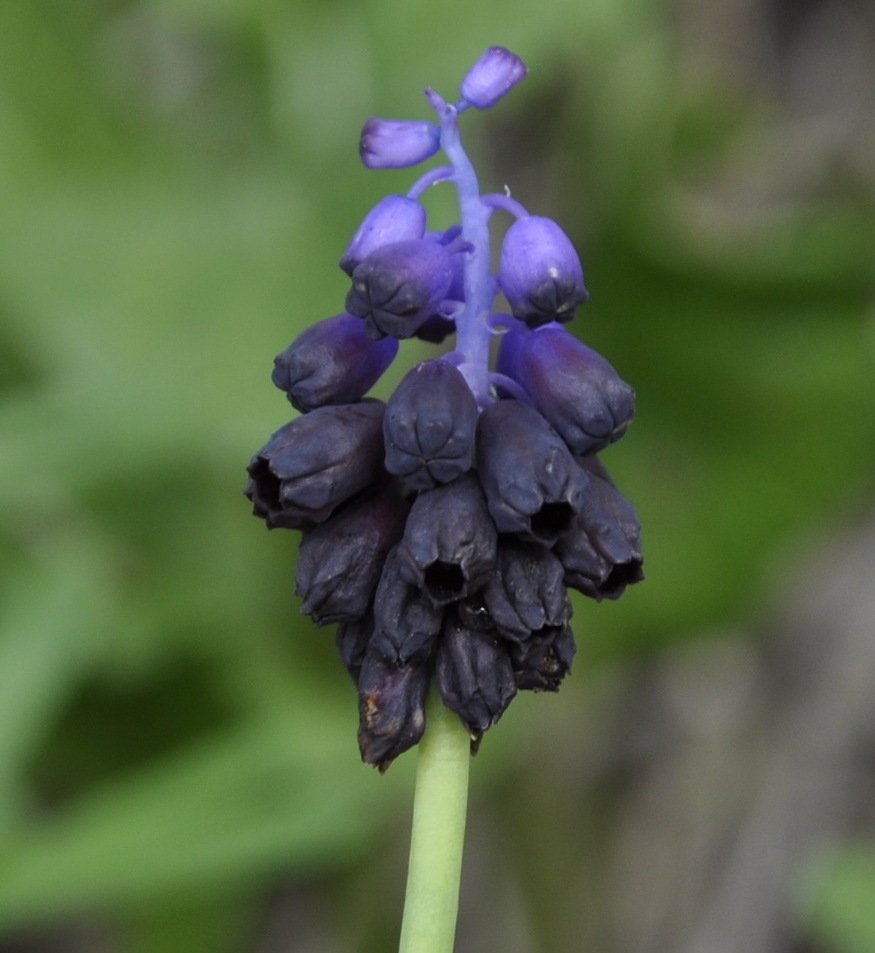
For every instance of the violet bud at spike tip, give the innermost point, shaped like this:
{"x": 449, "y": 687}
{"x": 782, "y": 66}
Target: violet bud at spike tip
{"x": 491, "y": 77}
{"x": 396, "y": 143}
{"x": 443, "y": 529}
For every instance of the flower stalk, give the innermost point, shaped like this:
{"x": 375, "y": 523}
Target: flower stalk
{"x": 438, "y": 833}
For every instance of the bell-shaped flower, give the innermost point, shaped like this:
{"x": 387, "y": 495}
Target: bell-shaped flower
{"x": 540, "y": 272}
{"x": 332, "y": 362}
{"x": 396, "y": 143}
{"x": 311, "y": 465}
{"x": 449, "y": 542}
{"x": 602, "y": 554}
{"x": 527, "y": 590}
{"x": 391, "y": 708}
{"x": 340, "y": 560}
{"x": 492, "y": 76}
{"x": 395, "y": 218}
{"x": 570, "y": 384}
{"x": 398, "y": 286}
{"x": 533, "y": 485}
{"x": 406, "y": 620}
{"x": 429, "y": 425}
{"x": 474, "y": 675}
{"x": 542, "y": 661}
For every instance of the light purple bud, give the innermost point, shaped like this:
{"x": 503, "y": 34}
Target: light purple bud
{"x": 396, "y": 143}
{"x": 540, "y": 272}
{"x": 570, "y": 384}
{"x": 396, "y": 218}
{"x": 492, "y": 76}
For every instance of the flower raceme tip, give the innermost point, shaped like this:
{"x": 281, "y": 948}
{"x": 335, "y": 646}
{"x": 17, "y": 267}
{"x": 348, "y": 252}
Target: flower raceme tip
{"x": 493, "y": 76}
{"x": 443, "y": 529}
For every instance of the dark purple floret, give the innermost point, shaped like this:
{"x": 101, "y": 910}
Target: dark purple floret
{"x": 586, "y": 570}
{"x": 492, "y": 76}
{"x": 395, "y": 218}
{"x": 570, "y": 384}
{"x": 449, "y": 544}
{"x": 429, "y": 426}
{"x": 474, "y": 675}
{"x": 391, "y": 708}
{"x": 406, "y": 621}
{"x": 527, "y": 590}
{"x": 398, "y": 286}
{"x": 602, "y": 555}
{"x": 533, "y": 485}
{"x": 540, "y": 272}
{"x": 340, "y": 561}
{"x": 544, "y": 659}
{"x": 310, "y": 466}
{"x": 352, "y": 640}
{"x": 396, "y": 143}
{"x": 332, "y": 362}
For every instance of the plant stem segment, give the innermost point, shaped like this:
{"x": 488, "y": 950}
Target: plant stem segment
{"x": 473, "y": 333}
{"x": 439, "y": 810}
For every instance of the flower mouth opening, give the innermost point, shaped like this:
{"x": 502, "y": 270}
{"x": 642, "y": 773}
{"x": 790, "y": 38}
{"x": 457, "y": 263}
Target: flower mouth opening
{"x": 269, "y": 484}
{"x": 621, "y": 576}
{"x": 552, "y": 520}
{"x": 444, "y": 581}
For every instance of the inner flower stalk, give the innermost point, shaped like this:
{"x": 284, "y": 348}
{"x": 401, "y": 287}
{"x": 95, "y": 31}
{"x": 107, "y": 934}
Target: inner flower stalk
{"x": 473, "y": 333}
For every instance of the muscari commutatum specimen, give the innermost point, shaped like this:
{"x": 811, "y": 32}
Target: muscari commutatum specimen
{"x": 442, "y": 529}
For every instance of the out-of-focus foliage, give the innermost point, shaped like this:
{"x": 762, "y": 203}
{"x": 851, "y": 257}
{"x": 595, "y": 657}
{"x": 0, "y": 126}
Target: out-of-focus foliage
{"x": 842, "y": 912}
{"x": 177, "y": 181}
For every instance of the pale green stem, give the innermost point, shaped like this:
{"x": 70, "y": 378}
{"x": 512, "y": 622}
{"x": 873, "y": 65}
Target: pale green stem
{"x": 439, "y": 810}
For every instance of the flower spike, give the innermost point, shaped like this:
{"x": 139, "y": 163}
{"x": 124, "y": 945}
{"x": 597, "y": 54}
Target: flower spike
{"x": 443, "y": 529}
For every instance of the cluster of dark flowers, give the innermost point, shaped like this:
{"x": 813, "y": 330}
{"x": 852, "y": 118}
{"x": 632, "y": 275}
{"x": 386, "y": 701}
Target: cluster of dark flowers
{"x": 442, "y": 529}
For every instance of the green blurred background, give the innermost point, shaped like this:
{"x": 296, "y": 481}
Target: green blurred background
{"x": 178, "y": 766}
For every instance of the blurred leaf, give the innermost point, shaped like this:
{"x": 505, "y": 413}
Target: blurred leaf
{"x": 228, "y": 811}
{"x": 214, "y": 921}
{"x": 842, "y": 898}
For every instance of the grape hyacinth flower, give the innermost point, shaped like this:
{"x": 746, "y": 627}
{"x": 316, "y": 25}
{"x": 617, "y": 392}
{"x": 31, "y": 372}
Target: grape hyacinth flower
{"x": 443, "y": 528}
